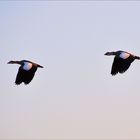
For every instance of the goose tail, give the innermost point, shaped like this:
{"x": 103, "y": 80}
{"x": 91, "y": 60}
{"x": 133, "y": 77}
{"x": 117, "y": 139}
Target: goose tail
{"x": 137, "y": 57}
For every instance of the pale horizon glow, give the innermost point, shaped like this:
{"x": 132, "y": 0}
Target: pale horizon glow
{"x": 74, "y": 96}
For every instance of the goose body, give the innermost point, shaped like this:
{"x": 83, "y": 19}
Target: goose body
{"x": 26, "y": 71}
{"x": 122, "y": 61}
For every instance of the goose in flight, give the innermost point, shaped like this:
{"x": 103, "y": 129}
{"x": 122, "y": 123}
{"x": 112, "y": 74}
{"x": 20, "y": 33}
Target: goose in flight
{"x": 26, "y": 71}
{"x": 122, "y": 61}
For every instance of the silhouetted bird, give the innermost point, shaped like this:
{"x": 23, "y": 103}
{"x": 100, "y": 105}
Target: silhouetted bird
{"x": 122, "y": 61}
{"x": 26, "y": 71}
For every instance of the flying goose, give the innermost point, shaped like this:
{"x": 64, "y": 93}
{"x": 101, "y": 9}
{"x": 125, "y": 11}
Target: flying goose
{"x": 122, "y": 61}
{"x": 26, "y": 71}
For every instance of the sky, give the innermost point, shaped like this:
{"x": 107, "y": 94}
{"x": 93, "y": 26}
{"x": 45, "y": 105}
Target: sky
{"x": 74, "y": 96}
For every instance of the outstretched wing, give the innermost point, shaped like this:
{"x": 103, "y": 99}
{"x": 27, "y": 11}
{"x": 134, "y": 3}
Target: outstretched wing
{"x": 24, "y": 76}
{"x": 120, "y": 65}
{"x": 19, "y": 78}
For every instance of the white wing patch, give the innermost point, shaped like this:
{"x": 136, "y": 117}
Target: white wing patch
{"x": 124, "y": 55}
{"x": 27, "y": 66}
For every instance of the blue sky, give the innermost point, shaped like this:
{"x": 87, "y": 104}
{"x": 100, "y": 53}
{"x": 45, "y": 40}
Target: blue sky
{"x": 74, "y": 96}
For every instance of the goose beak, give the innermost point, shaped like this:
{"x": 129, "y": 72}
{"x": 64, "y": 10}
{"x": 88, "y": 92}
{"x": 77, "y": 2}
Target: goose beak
{"x": 106, "y": 53}
{"x": 109, "y": 53}
{"x": 10, "y": 62}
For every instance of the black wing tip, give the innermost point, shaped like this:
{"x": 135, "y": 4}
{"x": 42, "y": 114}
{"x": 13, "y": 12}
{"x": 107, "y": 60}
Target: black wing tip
{"x": 17, "y": 84}
{"x": 121, "y": 72}
{"x": 114, "y": 73}
{"x": 26, "y": 83}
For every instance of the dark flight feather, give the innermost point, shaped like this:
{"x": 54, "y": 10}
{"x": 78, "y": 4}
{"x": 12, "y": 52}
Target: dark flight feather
{"x": 120, "y": 65}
